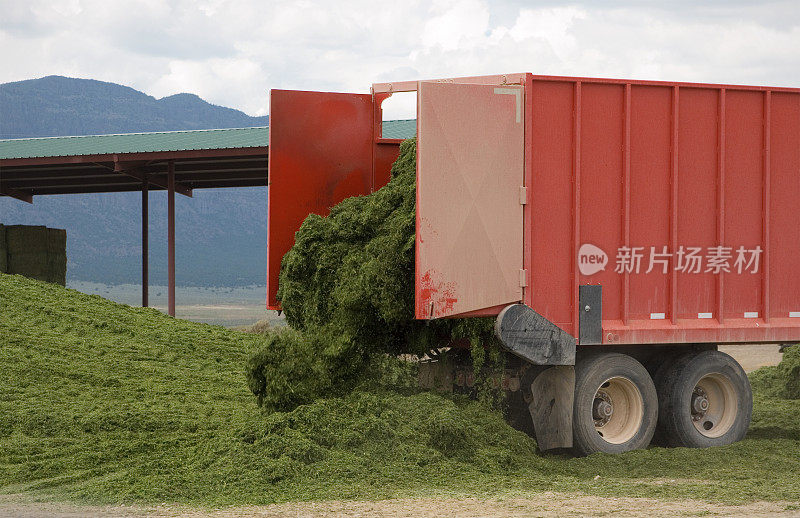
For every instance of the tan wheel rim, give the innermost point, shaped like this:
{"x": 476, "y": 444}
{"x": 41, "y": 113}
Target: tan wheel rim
{"x": 714, "y": 405}
{"x": 618, "y": 410}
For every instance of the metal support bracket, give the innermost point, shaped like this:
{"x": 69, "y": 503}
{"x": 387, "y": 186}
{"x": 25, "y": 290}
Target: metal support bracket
{"x": 590, "y": 304}
{"x": 27, "y": 197}
{"x": 134, "y": 170}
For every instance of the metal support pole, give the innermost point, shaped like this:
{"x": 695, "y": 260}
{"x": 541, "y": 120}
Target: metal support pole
{"x": 145, "y": 248}
{"x": 171, "y": 238}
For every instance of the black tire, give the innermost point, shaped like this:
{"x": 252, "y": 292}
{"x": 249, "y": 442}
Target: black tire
{"x": 622, "y": 382}
{"x": 719, "y": 380}
{"x": 665, "y": 364}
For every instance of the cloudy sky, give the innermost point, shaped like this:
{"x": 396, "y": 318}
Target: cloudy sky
{"x": 231, "y": 52}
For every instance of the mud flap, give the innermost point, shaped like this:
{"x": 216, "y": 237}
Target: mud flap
{"x": 553, "y": 395}
{"x": 527, "y": 334}
{"x": 532, "y": 337}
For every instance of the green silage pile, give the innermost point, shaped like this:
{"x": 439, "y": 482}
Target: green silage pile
{"x": 103, "y": 402}
{"x": 790, "y": 372}
{"x": 347, "y": 288}
{"x": 782, "y": 380}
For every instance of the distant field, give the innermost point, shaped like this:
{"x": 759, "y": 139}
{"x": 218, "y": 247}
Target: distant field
{"x": 103, "y": 403}
{"x": 224, "y": 306}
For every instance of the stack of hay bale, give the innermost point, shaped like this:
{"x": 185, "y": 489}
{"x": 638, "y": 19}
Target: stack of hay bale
{"x": 37, "y": 252}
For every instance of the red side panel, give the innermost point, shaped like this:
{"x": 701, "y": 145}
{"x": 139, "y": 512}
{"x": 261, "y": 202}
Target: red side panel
{"x": 649, "y": 197}
{"x": 601, "y": 141}
{"x": 610, "y": 167}
{"x": 744, "y": 181}
{"x": 550, "y": 247}
{"x": 661, "y": 169}
{"x": 320, "y": 152}
{"x": 783, "y": 239}
{"x": 697, "y": 195}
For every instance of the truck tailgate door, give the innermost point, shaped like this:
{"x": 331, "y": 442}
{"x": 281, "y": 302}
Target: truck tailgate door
{"x": 470, "y": 174}
{"x": 320, "y": 152}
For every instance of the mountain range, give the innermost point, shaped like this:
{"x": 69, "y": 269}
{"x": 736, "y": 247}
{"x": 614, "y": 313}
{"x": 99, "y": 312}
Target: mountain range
{"x": 220, "y": 233}
{"x": 55, "y": 106}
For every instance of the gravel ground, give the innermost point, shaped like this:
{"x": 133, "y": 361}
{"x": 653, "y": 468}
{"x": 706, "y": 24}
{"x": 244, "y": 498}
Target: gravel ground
{"x": 543, "y": 505}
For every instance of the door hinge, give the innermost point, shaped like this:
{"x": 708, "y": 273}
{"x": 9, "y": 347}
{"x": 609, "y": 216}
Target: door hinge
{"x": 523, "y": 278}
{"x": 523, "y": 195}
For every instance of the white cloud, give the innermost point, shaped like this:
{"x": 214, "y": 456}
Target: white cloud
{"x": 456, "y": 24}
{"x": 231, "y": 52}
{"x": 552, "y": 25}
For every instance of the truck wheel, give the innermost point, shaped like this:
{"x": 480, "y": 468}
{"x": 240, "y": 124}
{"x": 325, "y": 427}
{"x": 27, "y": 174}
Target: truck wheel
{"x": 705, "y": 401}
{"x": 666, "y": 364}
{"x": 615, "y": 408}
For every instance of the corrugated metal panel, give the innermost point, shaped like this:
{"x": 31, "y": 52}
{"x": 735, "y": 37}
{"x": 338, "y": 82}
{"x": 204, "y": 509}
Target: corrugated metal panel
{"x": 400, "y": 129}
{"x": 160, "y": 141}
{"x": 134, "y": 143}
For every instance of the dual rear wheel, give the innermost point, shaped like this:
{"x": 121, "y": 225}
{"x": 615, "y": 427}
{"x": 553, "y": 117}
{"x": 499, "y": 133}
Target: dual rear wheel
{"x": 697, "y": 400}
{"x": 704, "y": 400}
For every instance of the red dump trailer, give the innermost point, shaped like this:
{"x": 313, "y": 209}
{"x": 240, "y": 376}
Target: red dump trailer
{"x": 618, "y": 230}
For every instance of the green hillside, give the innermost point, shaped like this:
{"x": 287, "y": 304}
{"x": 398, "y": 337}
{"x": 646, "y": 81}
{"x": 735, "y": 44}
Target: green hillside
{"x": 102, "y": 402}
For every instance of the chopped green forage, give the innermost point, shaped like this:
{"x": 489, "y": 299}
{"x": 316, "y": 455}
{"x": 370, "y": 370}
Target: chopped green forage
{"x": 347, "y": 288}
{"x": 782, "y": 380}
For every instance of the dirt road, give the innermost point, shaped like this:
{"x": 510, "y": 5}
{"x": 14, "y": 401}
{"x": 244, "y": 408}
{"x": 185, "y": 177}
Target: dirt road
{"x": 541, "y": 505}
{"x": 752, "y": 357}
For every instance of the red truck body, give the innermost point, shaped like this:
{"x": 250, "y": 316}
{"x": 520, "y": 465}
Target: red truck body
{"x": 680, "y": 200}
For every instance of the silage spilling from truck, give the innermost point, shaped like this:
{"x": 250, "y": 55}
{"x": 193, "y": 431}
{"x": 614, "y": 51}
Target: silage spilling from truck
{"x": 347, "y": 288}
{"x": 517, "y": 175}
{"x": 782, "y": 380}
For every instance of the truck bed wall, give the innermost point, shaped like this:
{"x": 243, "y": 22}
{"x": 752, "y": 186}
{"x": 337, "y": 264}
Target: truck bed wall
{"x": 614, "y": 163}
